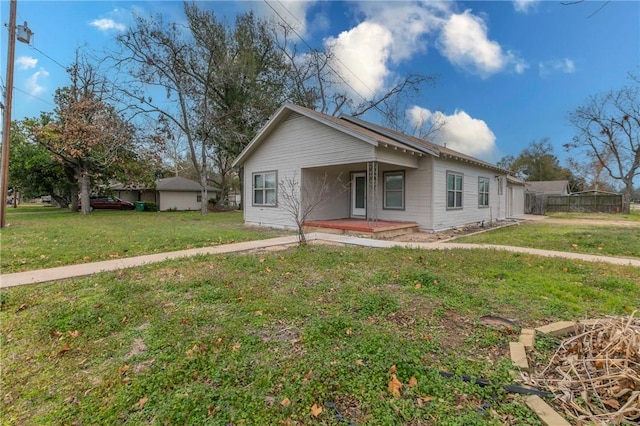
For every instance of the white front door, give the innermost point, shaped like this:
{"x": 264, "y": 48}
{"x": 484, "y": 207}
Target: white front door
{"x": 359, "y": 194}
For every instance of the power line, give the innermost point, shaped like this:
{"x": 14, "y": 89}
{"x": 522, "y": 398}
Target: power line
{"x": 311, "y": 48}
{"x": 58, "y": 63}
{"x": 33, "y": 96}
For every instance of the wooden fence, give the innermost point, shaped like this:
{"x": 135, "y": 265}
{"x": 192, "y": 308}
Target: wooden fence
{"x": 541, "y": 204}
{"x": 585, "y": 203}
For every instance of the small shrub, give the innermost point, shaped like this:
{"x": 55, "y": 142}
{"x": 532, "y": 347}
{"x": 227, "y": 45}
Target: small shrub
{"x": 150, "y": 206}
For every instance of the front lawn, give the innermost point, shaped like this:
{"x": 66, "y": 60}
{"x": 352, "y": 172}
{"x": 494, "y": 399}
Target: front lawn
{"x": 611, "y": 240}
{"x": 45, "y": 237}
{"x": 304, "y": 336}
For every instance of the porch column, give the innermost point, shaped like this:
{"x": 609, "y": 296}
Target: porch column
{"x": 372, "y": 192}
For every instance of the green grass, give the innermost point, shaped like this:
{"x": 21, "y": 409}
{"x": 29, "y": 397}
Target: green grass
{"x": 44, "y": 237}
{"x": 617, "y": 241}
{"x": 261, "y": 338}
{"x": 634, "y": 215}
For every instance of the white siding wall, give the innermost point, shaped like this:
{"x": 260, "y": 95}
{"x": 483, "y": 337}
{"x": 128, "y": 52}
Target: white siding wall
{"x": 418, "y": 194}
{"x": 337, "y": 201}
{"x": 178, "y": 200}
{"x": 296, "y": 144}
{"x": 470, "y": 213}
{"x": 515, "y": 195}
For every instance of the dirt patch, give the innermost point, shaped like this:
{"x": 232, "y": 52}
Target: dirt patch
{"x": 433, "y": 237}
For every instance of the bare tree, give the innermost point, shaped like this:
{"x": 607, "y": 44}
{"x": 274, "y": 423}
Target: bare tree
{"x": 608, "y": 127}
{"x": 300, "y": 200}
{"x": 316, "y": 84}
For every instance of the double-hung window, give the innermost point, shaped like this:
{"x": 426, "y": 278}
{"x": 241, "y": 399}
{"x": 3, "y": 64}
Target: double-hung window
{"x": 264, "y": 189}
{"x": 454, "y": 190}
{"x": 394, "y": 190}
{"x": 483, "y": 192}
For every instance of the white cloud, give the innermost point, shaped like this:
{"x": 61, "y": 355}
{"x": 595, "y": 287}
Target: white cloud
{"x": 465, "y": 43}
{"x": 107, "y": 24}
{"x": 26, "y": 62}
{"x": 33, "y": 85}
{"x": 293, "y": 12}
{"x": 361, "y": 56}
{"x": 524, "y": 6}
{"x": 419, "y": 116}
{"x": 460, "y": 131}
{"x": 566, "y": 66}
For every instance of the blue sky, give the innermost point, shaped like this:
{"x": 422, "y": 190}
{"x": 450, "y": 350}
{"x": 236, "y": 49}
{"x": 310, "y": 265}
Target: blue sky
{"x": 508, "y": 72}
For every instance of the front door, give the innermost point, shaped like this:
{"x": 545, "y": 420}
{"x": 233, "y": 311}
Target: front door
{"x": 359, "y": 194}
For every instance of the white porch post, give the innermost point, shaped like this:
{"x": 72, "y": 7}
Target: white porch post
{"x": 372, "y": 192}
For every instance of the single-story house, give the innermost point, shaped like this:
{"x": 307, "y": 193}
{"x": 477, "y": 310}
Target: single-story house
{"x": 173, "y": 193}
{"x": 548, "y": 187}
{"x": 384, "y": 175}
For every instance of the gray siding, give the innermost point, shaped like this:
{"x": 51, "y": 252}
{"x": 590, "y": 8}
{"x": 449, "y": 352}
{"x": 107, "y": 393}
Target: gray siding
{"x": 470, "y": 212}
{"x": 296, "y": 144}
{"x": 417, "y": 194}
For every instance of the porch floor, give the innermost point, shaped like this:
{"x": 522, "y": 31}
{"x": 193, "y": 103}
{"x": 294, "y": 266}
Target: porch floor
{"x": 374, "y": 228}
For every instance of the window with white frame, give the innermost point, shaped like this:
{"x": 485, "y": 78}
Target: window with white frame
{"x": 264, "y": 189}
{"x": 483, "y": 192}
{"x": 394, "y": 190}
{"x": 454, "y": 190}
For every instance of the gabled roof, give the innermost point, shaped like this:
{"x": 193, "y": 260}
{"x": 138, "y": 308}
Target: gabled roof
{"x": 363, "y": 130}
{"x": 549, "y": 187}
{"x": 179, "y": 184}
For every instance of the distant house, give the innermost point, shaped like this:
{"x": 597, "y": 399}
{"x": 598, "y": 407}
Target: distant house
{"x": 389, "y": 176}
{"x": 174, "y": 193}
{"x": 548, "y": 187}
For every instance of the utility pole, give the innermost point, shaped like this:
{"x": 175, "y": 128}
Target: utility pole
{"x": 6, "y": 129}
{"x": 24, "y": 36}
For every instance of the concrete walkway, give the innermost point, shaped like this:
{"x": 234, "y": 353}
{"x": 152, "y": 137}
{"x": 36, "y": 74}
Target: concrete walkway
{"x": 84, "y": 269}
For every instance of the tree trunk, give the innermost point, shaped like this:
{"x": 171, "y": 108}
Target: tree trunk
{"x": 627, "y": 192}
{"x": 204, "y": 204}
{"x": 83, "y": 177}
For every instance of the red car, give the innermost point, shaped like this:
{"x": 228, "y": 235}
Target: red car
{"x": 108, "y": 202}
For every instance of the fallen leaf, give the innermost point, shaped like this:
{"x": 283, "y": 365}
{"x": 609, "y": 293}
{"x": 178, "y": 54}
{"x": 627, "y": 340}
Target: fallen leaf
{"x": 413, "y": 381}
{"x": 392, "y": 369}
{"x": 86, "y": 258}
{"x": 262, "y": 259}
{"x": 394, "y": 386}
{"x": 258, "y": 313}
{"x": 123, "y": 369}
{"x": 74, "y": 334}
{"x": 22, "y": 307}
{"x": 267, "y": 269}
{"x": 418, "y": 285}
{"x": 613, "y": 403}
{"x": 360, "y": 362}
{"x": 236, "y": 346}
{"x": 285, "y": 402}
{"x": 423, "y": 400}
{"x": 309, "y": 375}
{"x": 316, "y": 410}
{"x": 56, "y": 333}
{"x": 126, "y": 379}
{"x": 348, "y": 332}
{"x": 42, "y": 256}
{"x": 269, "y": 400}
{"x": 66, "y": 348}
{"x": 142, "y": 401}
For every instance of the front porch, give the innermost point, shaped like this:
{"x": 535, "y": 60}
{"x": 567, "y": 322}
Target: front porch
{"x": 378, "y": 229}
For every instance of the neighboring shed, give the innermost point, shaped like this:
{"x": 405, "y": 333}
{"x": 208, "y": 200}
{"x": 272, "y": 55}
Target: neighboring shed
{"x": 173, "y": 193}
{"x": 388, "y": 176}
{"x": 178, "y": 193}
